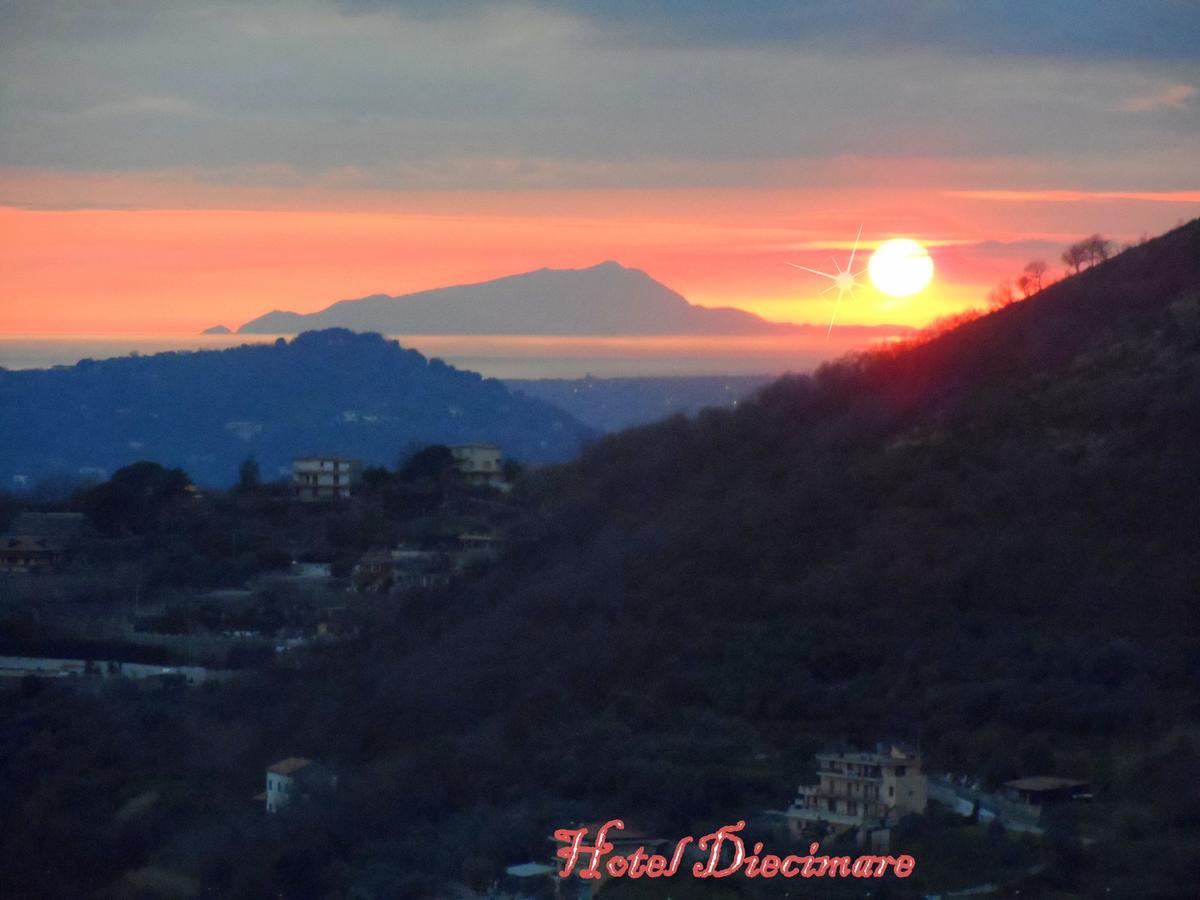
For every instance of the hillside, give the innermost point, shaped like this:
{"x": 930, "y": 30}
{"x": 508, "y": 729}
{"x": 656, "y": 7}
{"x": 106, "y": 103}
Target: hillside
{"x": 985, "y": 543}
{"x": 607, "y": 299}
{"x": 323, "y": 392}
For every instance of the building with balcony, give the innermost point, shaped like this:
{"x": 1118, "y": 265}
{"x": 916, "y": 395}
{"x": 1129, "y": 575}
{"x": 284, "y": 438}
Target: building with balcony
{"x": 480, "y": 464}
{"x": 324, "y": 477}
{"x": 861, "y": 790}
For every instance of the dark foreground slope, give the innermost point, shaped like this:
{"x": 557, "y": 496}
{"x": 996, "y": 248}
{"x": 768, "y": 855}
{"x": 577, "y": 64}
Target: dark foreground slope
{"x": 987, "y": 543}
{"x": 323, "y": 392}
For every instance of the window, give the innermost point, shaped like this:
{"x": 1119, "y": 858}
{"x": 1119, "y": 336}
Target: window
{"x": 900, "y": 771}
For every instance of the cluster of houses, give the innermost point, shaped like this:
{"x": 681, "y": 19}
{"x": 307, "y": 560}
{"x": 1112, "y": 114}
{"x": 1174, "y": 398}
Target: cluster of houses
{"x": 36, "y": 542}
{"x": 862, "y": 794}
{"x": 869, "y": 792}
{"x": 47, "y": 667}
{"x": 395, "y": 569}
{"x": 323, "y": 478}
{"x": 403, "y": 568}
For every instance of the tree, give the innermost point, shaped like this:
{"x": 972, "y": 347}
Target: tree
{"x": 1097, "y": 248}
{"x": 433, "y": 463}
{"x": 8, "y": 509}
{"x": 249, "y": 477}
{"x": 1075, "y": 256}
{"x": 513, "y": 470}
{"x": 1091, "y": 250}
{"x": 1032, "y": 278}
{"x": 134, "y": 498}
{"x": 374, "y": 479}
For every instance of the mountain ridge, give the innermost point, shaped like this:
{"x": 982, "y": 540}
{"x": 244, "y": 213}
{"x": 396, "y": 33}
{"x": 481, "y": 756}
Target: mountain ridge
{"x": 604, "y": 299}
{"x": 323, "y": 391}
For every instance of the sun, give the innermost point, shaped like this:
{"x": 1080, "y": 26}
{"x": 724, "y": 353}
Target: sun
{"x": 900, "y": 267}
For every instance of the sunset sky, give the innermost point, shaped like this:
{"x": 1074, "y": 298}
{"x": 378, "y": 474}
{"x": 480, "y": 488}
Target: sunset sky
{"x": 166, "y": 166}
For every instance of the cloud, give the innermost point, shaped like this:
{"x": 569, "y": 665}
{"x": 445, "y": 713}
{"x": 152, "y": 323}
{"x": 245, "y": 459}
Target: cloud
{"x": 143, "y": 106}
{"x": 1098, "y": 29}
{"x": 1068, "y": 196}
{"x": 417, "y": 94}
{"x": 1172, "y": 96}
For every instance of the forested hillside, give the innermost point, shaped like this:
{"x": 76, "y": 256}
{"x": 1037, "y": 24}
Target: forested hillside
{"x": 327, "y": 391}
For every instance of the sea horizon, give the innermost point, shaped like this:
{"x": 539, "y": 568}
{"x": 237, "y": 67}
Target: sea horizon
{"x": 494, "y": 356}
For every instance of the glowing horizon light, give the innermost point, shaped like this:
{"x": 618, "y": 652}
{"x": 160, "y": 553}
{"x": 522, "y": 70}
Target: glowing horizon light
{"x": 900, "y": 267}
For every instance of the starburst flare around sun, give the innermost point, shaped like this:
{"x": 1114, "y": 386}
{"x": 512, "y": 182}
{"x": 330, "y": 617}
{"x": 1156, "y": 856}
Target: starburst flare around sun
{"x": 845, "y": 281}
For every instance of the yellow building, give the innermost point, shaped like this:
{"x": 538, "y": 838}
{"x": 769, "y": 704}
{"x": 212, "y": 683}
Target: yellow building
{"x": 861, "y": 790}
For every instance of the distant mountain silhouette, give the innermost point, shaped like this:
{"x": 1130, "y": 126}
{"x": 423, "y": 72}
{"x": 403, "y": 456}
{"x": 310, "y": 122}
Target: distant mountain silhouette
{"x": 217, "y": 329}
{"x": 610, "y": 404}
{"x": 329, "y": 391}
{"x": 607, "y": 299}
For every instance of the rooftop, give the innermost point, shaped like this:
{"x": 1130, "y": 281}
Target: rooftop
{"x": 289, "y": 765}
{"x": 868, "y": 759}
{"x": 26, "y": 542}
{"x": 528, "y": 870}
{"x": 1044, "y": 783}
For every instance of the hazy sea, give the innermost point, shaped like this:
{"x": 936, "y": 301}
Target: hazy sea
{"x": 505, "y": 356}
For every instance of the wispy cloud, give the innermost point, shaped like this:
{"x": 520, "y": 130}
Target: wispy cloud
{"x": 1079, "y": 196}
{"x": 1172, "y": 96}
{"x": 145, "y": 104}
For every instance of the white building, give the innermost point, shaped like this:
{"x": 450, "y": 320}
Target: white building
{"x": 324, "y": 477}
{"x": 861, "y": 790}
{"x": 294, "y": 778}
{"x": 480, "y": 464}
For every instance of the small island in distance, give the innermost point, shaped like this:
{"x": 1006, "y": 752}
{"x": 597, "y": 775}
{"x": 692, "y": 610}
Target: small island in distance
{"x": 605, "y": 299}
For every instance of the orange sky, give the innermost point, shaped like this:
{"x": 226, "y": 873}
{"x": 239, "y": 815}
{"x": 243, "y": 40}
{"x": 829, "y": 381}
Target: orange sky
{"x": 168, "y": 165}
{"x": 235, "y": 254}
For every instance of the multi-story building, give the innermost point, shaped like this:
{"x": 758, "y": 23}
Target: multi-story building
{"x": 861, "y": 790}
{"x": 324, "y": 477}
{"x": 480, "y": 464}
